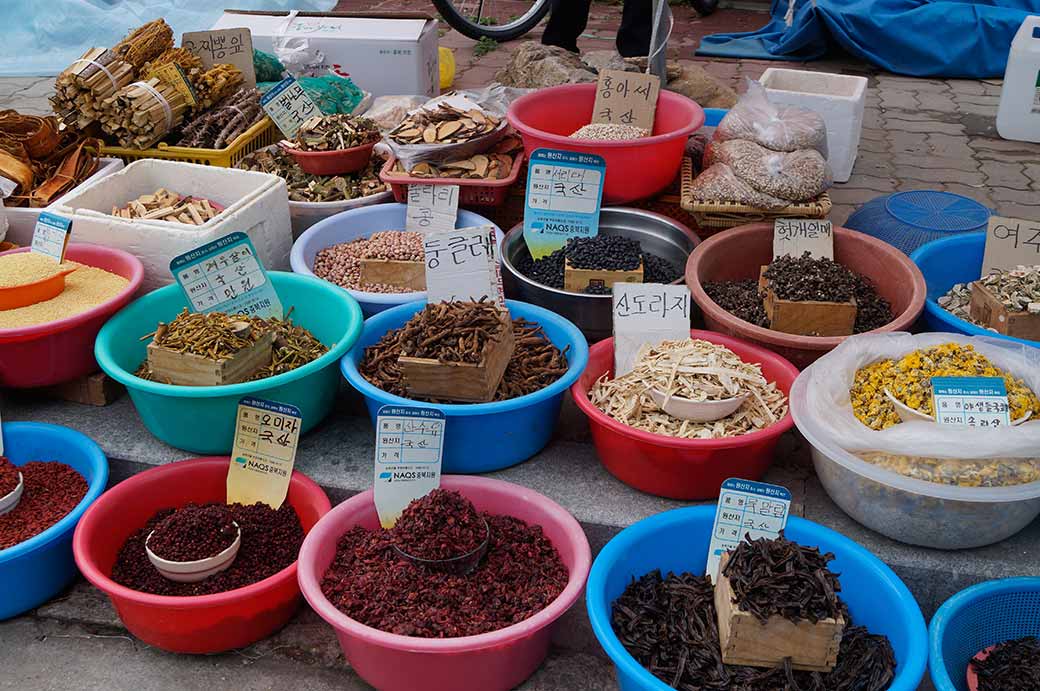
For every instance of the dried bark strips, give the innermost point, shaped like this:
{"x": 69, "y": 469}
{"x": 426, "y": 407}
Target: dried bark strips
{"x": 444, "y": 124}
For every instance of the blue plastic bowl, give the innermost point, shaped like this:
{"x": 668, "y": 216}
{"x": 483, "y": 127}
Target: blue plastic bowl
{"x": 945, "y": 262}
{"x": 36, "y": 570}
{"x": 976, "y": 618}
{"x": 678, "y": 540}
{"x": 359, "y": 223}
{"x": 201, "y": 419}
{"x": 481, "y": 437}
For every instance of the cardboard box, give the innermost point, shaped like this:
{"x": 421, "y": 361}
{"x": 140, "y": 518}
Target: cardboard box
{"x": 383, "y": 53}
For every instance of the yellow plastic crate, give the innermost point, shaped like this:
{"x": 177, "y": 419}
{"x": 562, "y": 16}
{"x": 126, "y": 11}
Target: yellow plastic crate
{"x": 263, "y": 133}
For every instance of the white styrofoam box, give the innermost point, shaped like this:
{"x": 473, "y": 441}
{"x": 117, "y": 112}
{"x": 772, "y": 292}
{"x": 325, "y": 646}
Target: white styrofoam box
{"x": 256, "y": 204}
{"x": 22, "y": 220}
{"x": 838, "y": 98}
{"x": 380, "y": 54}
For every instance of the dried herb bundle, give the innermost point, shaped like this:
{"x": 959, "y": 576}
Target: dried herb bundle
{"x": 294, "y": 346}
{"x": 142, "y": 113}
{"x": 780, "y": 577}
{"x": 444, "y": 124}
{"x": 452, "y": 331}
{"x": 145, "y": 43}
{"x": 305, "y": 187}
{"x": 1010, "y": 666}
{"x": 182, "y": 57}
{"x": 218, "y": 127}
{"x": 215, "y": 84}
{"x": 335, "y": 132}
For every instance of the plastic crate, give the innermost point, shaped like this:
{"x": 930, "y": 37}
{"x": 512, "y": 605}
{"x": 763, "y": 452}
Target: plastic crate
{"x": 908, "y": 220}
{"x": 471, "y": 192}
{"x": 263, "y": 133}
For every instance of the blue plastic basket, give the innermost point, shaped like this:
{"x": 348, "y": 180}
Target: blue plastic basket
{"x": 907, "y": 220}
{"x": 976, "y": 618}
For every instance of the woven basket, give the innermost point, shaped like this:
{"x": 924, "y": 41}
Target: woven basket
{"x": 711, "y": 217}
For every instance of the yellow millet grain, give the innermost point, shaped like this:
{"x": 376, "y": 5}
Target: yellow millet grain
{"x": 26, "y": 267}
{"x": 86, "y": 287}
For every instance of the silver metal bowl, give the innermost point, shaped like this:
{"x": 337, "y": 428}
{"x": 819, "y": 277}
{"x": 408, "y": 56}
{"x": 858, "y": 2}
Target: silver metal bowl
{"x": 656, "y": 234}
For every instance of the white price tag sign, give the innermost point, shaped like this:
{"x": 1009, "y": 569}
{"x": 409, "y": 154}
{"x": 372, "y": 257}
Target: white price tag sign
{"x": 289, "y": 106}
{"x": 647, "y": 313}
{"x": 264, "y": 452}
{"x": 226, "y": 275}
{"x": 432, "y": 208}
{"x": 409, "y": 445}
{"x": 1010, "y": 242}
{"x": 462, "y": 266}
{"x": 51, "y": 235}
{"x": 746, "y": 509}
{"x": 795, "y": 236}
{"x": 972, "y": 401}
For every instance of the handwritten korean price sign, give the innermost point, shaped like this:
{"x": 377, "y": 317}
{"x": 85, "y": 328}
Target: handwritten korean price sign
{"x": 626, "y": 98}
{"x": 795, "y": 236}
{"x": 647, "y": 313}
{"x": 226, "y": 275}
{"x": 431, "y": 208}
{"x": 288, "y": 105}
{"x": 1010, "y": 242}
{"x": 230, "y": 46}
{"x": 972, "y": 401}
{"x": 51, "y": 235}
{"x": 746, "y": 509}
{"x": 264, "y": 452}
{"x": 462, "y": 265}
{"x": 409, "y": 447}
{"x": 564, "y": 193}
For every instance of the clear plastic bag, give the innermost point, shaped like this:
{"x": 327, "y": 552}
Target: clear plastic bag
{"x": 389, "y": 111}
{"x": 780, "y": 128}
{"x": 797, "y": 176}
{"x": 719, "y": 184}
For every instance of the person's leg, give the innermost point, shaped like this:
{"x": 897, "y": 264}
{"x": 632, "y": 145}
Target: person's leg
{"x": 637, "y": 21}
{"x": 567, "y": 21}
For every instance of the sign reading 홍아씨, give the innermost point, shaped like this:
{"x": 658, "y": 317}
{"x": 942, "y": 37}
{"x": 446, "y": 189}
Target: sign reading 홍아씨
{"x": 1010, "y": 242}
{"x": 564, "y": 192}
{"x": 409, "y": 444}
{"x": 795, "y": 236}
{"x": 288, "y": 105}
{"x": 226, "y": 275}
{"x": 972, "y": 401}
{"x": 227, "y": 46}
{"x": 647, "y": 313}
{"x": 462, "y": 266}
{"x": 431, "y": 208}
{"x": 264, "y": 452}
{"x": 51, "y": 235}
{"x": 746, "y": 509}
{"x": 626, "y": 98}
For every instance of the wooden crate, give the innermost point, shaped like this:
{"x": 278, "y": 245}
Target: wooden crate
{"x": 96, "y": 389}
{"x": 189, "y": 369}
{"x": 987, "y": 309}
{"x": 747, "y": 641}
{"x": 577, "y": 280}
{"x": 807, "y": 317}
{"x": 402, "y": 274}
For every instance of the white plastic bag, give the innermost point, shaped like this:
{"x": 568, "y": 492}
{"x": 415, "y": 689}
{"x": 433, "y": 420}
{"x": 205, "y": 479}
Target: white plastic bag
{"x": 797, "y": 176}
{"x": 389, "y": 111}
{"x": 719, "y": 184}
{"x": 780, "y": 128}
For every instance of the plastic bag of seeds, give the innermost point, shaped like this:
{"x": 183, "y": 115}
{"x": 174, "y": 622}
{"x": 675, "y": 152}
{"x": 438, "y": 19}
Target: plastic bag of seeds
{"x": 955, "y": 455}
{"x": 780, "y": 128}
{"x": 797, "y": 176}
{"x": 719, "y": 184}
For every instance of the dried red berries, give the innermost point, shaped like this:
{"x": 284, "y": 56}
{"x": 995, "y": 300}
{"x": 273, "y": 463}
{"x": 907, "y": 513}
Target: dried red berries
{"x": 51, "y": 490}
{"x": 193, "y": 532}
{"x": 441, "y": 525}
{"x": 8, "y": 477}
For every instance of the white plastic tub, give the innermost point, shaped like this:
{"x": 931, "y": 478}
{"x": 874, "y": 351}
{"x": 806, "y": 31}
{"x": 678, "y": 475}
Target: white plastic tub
{"x": 1018, "y": 116}
{"x": 306, "y": 214}
{"x": 838, "y": 98}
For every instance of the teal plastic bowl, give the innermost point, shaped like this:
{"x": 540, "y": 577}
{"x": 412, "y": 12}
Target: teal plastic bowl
{"x": 201, "y": 419}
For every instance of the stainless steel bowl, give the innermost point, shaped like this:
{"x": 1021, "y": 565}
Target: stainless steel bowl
{"x": 656, "y": 234}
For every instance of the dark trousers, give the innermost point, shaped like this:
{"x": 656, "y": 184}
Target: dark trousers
{"x": 569, "y": 18}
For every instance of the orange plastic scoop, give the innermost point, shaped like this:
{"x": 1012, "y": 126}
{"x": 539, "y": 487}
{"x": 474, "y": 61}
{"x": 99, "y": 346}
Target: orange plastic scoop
{"x": 13, "y": 297}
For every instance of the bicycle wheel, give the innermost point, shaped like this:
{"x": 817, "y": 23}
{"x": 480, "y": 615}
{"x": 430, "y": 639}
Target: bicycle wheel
{"x": 495, "y": 19}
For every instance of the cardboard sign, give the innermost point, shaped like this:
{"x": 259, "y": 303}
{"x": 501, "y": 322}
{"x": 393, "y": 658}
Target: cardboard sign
{"x": 795, "y": 236}
{"x": 462, "y": 265}
{"x": 224, "y": 46}
{"x": 432, "y": 208}
{"x": 1010, "y": 242}
{"x": 172, "y": 74}
{"x": 626, "y": 98}
{"x": 289, "y": 106}
{"x": 226, "y": 275}
{"x": 264, "y": 452}
{"x": 564, "y": 193}
{"x": 51, "y": 235}
{"x": 647, "y": 313}
{"x": 746, "y": 509}
{"x": 409, "y": 443}
{"x": 972, "y": 401}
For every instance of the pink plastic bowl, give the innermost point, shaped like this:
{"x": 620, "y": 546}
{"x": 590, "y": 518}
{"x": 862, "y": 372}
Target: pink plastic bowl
{"x": 636, "y": 169}
{"x": 61, "y": 350}
{"x": 205, "y": 623}
{"x": 682, "y": 468}
{"x": 494, "y": 661}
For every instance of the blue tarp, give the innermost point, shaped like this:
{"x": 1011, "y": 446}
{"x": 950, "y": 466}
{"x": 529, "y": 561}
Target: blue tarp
{"x": 921, "y": 38}
{"x": 42, "y": 37}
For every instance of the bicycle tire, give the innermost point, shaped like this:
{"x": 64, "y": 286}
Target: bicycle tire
{"x": 505, "y": 32}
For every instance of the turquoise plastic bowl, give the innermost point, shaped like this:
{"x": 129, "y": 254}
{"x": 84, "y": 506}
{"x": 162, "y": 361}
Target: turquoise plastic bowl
{"x": 36, "y": 570}
{"x": 481, "y": 437}
{"x": 201, "y": 419}
{"x": 678, "y": 540}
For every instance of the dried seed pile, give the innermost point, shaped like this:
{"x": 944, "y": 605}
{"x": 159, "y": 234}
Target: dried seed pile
{"x": 50, "y": 491}
{"x": 669, "y": 625}
{"x": 218, "y": 127}
{"x": 270, "y": 542}
{"x": 164, "y": 205}
{"x": 9, "y": 477}
{"x": 335, "y": 133}
{"x": 440, "y": 525}
{"x": 796, "y": 176}
{"x": 444, "y": 124}
{"x": 520, "y": 575}
{"x": 739, "y": 298}
{"x": 193, "y": 532}
{"x": 306, "y": 187}
{"x": 27, "y": 267}
{"x": 1010, "y": 666}
{"x": 693, "y": 369}
{"x": 991, "y": 472}
{"x": 609, "y": 132}
{"x": 85, "y": 288}
{"x": 607, "y": 250}
{"x": 910, "y": 380}
{"x": 341, "y": 264}
{"x": 452, "y": 331}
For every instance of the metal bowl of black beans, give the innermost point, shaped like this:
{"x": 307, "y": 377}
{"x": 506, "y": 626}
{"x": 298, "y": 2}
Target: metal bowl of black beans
{"x": 625, "y": 236}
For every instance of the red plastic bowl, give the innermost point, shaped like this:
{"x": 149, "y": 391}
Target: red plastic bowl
{"x": 202, "y": 624}
{"x": 636, "y": 169}
{"x": 682, "y": 468}
{"x": 494, "y": 661}
{"x": 339, "y": 162}
{"x": 61, "y": 350}
{"x": 739, "y": 253}
{"x": 471, "y": 192}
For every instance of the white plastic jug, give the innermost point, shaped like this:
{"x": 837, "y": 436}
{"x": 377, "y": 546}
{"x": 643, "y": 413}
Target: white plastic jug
{"x": 1019, "y": 114}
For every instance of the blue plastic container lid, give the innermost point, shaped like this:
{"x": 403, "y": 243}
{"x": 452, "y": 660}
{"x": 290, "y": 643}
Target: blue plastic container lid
{"x": 938, "y": 211}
